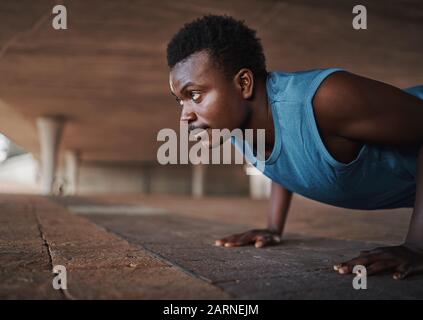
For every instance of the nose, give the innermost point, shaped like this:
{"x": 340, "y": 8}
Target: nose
{"x": 188, "y": 115}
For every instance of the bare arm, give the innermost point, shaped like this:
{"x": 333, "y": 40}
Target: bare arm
{"x": 415, "y": 231}
{"x": 280, "y": 201}
{"x": 373, "y": 112}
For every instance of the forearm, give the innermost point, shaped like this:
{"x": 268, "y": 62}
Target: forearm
{"x": 280, "y": 200}
{"x": 415, "y": 232}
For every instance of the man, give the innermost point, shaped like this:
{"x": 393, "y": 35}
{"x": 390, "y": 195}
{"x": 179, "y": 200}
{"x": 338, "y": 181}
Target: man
{"x": 330, "y": 135}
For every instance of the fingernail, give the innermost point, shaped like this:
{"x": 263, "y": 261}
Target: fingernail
{"x": 342, "y": 270}
{"x": 397, "y": 276}
{"x": 259, "y": 244}
{"x": 336, "y": 267}
{"x": 227, "y": 244}
{"x": 218, "y": 243}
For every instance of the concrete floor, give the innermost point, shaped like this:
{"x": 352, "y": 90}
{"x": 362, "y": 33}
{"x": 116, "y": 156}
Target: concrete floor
{"x": 161, "y": 247}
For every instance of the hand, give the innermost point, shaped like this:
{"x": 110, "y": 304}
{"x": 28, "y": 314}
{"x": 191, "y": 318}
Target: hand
{"x": 403, "y": 260}
{"x": 258, "y": 237}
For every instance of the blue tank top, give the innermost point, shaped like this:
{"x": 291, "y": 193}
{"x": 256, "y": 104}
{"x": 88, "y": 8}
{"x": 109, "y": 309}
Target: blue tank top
{"x": 378, "y": 178}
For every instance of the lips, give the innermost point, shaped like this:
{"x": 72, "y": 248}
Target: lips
{"x": 192, "y": 127}
{"x": 199, "y": 130}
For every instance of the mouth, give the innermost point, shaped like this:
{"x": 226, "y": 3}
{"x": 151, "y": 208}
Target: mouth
{"x": 201, "y": 130}
{"x": 192, "y": 127}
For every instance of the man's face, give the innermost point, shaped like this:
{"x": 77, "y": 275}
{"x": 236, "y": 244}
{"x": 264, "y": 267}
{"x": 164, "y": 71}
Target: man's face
{"x": 208, "y": 99}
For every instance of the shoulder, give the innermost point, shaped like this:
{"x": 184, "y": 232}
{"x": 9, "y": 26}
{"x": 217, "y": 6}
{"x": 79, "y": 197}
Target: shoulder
{"x": 356, "y": 107}
{"x": 297, "y": 85}
{"x": 343, "y": 98}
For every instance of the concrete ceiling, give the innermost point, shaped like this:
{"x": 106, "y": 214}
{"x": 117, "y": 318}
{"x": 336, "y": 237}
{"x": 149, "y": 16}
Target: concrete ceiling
{"x": 107, "y": 73}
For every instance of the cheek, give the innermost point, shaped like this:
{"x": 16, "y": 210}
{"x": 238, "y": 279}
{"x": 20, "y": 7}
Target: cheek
{"x": 210, "y": 108}
{"x": 219, "y": 110}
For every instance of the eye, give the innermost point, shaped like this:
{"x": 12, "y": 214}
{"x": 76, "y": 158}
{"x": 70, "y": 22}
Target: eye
{"x": 195, "y": 96}
{"x": 180, "y": 102}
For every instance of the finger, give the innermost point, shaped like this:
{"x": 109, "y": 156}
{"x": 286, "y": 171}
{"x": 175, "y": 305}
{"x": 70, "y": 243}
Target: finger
{"x": 346, "y": 267}
{"x": 266, "y": 240}
{"x": 233, "y": 243}
{"x": 221, "y": 242}
{"x": 240, "y": 240}
{"x": 276, "y": 238}
{"x": 363, "y": 254}
{"x": 381, "y": 266}
{"x": 261, "y": 241}
{"x": 401, "y": 272}
{"x": 405, "y": 271}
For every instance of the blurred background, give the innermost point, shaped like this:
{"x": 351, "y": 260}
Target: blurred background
{"x": 80, "y": 108}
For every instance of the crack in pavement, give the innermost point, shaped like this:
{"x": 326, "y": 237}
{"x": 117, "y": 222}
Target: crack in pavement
{"x": 65, "y": 293}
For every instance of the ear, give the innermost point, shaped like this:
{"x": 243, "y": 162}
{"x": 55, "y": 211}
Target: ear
{"x": 244, "y": 81}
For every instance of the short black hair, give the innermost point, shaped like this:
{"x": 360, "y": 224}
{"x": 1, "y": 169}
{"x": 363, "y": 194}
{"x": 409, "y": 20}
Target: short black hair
{"x": 229, "y": 42}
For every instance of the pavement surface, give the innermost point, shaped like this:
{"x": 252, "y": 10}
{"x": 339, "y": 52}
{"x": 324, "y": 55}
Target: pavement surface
{"x": 158, "y": 247}
{"x": 37, "y": 234}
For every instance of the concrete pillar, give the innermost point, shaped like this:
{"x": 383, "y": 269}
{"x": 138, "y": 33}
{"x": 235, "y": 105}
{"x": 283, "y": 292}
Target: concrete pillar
{"x": 49, "y": 131}
{"x": 71, "y": 171}
{"x": 260, "y": 185}
{"x": 198, "y": 177}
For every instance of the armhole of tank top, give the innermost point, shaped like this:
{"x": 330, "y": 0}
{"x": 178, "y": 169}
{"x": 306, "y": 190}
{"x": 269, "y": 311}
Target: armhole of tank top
{"x": 416, "y": 91}
{"x": 313, "y": 124}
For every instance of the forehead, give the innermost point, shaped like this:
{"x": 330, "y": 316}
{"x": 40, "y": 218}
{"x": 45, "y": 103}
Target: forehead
{"x": 197, "y": 68}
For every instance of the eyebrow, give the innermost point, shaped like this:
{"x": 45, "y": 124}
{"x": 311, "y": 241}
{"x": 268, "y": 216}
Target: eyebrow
{"x": 184, "y": 87}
